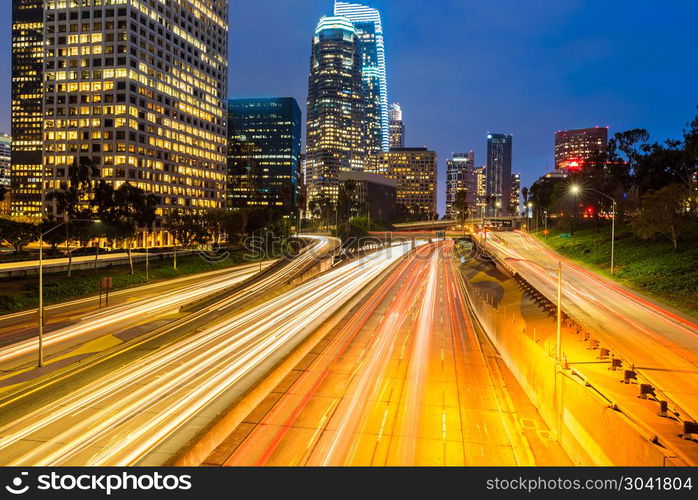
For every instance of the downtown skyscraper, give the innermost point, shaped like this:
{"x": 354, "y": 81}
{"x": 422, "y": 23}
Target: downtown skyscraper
{"x": 460, "y": 178}
{"x": 397, "y": 127}
{"x": 369, "y": 29}
{"x": 27, "y": 106}
{"x": 264, "y": 152}
{"x": 135, "y": 90}
{"x": 499, "y": 148}
{"x": 336, "y": 119}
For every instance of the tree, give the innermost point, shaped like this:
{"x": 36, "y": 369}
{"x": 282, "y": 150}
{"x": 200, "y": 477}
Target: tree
{"x": 665, "y": 213}
{"x": 123, "y": 211}
{"x": 71, "y": 201}
{"x": 186, "y": 226}
{"x": 233, "y": 224}
{"x": 3, "y": 193}
{"x": 462, "y": 205}
{"x": 18, "y": 232}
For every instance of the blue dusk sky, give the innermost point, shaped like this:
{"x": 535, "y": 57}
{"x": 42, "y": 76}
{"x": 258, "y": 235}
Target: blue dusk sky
{"x": 461, "y": 68}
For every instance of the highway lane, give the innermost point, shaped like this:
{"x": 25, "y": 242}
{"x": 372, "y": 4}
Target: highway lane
{"x": 404, "y": 382}
{"x": 122, "y": 417}
{"x": 123, "y": 319}
{"x": 662, "y": 345}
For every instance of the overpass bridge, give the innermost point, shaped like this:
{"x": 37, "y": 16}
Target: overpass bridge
{"x": 502, "y": 222}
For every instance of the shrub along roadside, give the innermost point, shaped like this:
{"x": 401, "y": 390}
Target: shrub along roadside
{"x": 22, "y": 294}
{"x": 651, "y": 267}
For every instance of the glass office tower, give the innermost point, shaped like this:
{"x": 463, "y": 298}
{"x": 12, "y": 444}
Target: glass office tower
{"x": 369, "y": 28}
{"x": 336, "y": 138}
{"x": 264, "y": 152}
{"x": 499, "y": 174}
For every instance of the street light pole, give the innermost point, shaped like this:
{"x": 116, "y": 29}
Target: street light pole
{"x": 613, "y": 237}
{"x": 41, "y": 301}
{"x": 576, "y": 190}
{"x": 41, "y": 285}
{"x": 559, "y": 311}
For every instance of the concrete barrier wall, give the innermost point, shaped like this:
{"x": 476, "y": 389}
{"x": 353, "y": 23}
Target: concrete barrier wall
{"x": 589, "y": 427}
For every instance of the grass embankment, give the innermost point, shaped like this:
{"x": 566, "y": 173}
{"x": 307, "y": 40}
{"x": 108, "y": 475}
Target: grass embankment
{"x": 650, "y": 267}
{"x": 21, "y": 294}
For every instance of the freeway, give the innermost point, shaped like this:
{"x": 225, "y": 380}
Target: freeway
{"x": 661, "y": 344}
{"x": 76, "y": 327}
{"x": 405, "y": 381}
{"x": 124, "y": 416}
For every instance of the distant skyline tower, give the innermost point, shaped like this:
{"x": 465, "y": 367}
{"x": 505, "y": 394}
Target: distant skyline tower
{"x": 397, "y": 127}
{"x": 574, "y": 147}
{"x": 369, "y": 29}
{"x": 460, "y": 177}
{"x": 335, "y": 139}
{"x": 5, "y": 160}
{"x": 499, "y": 148}
{"x": 264, "y": 152}
{"x": 515, "y": 202}
{"x": 27, "y": 101}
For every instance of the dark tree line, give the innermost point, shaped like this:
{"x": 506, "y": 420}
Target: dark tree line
{"x": 654, "y": 185}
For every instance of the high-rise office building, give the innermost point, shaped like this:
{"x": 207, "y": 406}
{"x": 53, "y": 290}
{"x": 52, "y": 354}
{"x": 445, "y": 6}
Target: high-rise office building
{"x": 574, "y": 147}
{"x": 415, "y": 171}
{"x": 27, "y": 101}
{"x": 5, "y": 160}
{"x": 397, "y": 127}
{"x": 136, "y": 91}
{"x": 460, "y": 178}
{"x": 375, "y": 195}
{"x": 481, "y": 187}
{"x": 499, "y": 173}
{"x": 335, "y": 139}
{"x": 515, "y": 202}
{"x": 264, "y": 152}
{"x": 369, "y": 29}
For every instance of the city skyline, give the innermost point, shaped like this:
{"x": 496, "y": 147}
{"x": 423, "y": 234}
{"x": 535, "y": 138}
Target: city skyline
{"x": 574, "y": 88}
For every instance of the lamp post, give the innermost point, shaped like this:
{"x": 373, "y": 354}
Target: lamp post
{"x": 558, "y": 349}
{"x": 529, "y": 207}
{"x": 41, "y": 283}
{"x": 576, "y": 190}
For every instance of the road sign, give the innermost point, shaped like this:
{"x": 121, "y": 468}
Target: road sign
{"x": 565, "y": 236}
{"x": 105, "y": 284}
{"x": 546, "y": 232}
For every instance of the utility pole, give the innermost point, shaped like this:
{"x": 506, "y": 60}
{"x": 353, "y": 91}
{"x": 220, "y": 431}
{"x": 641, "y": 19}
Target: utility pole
{"x": 559, "y": 310}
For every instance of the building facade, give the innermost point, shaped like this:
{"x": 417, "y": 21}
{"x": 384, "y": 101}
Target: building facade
{"x": 499, "y": 148}
{"x": 27, "y": 106}
{"x": 397, "y": 127}
{"x": 460, "y": 178}
{"x": 375, "y": 195}
{"x": 481, "y": 186}
{"x": 137, "y": 92}
{"x": 5, "y": 160}
{"x": 515, "y": 203}
{"x": 369, "y": 29}
{"x": 574, "y": 147}
{"x": 264, "y": 153}
{"x": 335, "y": 139}
{"x": 415, "y": 172}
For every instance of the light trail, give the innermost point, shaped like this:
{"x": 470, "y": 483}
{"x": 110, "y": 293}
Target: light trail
{"x": 159, "y": 305}
{"x": 122, "y": 417}
{"x": 661, "y": 345}
{"x": 388, "y": 391}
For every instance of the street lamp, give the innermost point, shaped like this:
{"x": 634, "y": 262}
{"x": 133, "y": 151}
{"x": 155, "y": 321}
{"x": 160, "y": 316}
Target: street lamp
{"x": 529, "y": 213}
{"x": 41, "y": 283}
{"x": 575, "y": 189}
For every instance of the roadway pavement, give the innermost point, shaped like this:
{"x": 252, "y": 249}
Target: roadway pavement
{"x": 403, "y": 380}
{"x": 661, "y": 344}
{"x": 144, "y": 411}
